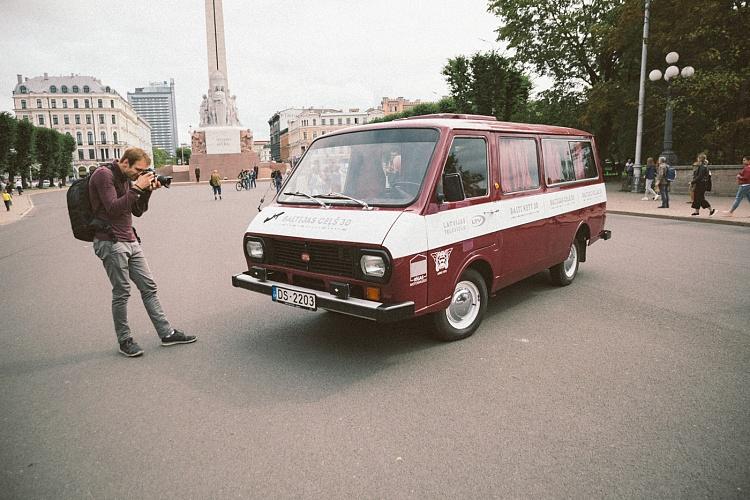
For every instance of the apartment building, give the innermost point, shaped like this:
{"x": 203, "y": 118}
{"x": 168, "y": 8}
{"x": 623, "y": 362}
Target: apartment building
{"x": 102, "y": 123}
{"x": 156, "y": 104}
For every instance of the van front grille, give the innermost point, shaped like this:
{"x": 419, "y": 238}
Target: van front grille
{"x": 324, "y": 259}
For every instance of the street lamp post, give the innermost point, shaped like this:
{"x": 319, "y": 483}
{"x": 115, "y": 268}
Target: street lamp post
{"x": 671, "y": 72}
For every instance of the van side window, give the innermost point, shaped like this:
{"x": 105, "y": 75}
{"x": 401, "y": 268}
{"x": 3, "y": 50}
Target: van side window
{"x": 566, "y": 161}
{"x": 468, "y": 157}
{"x": 519, "y": 165}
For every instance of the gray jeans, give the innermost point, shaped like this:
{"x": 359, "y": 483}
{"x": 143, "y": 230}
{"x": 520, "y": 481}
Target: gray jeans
{"x": 122, "y": 260}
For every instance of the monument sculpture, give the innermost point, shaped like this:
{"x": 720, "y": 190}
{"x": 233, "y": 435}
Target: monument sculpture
{"x": 220, "y": 142}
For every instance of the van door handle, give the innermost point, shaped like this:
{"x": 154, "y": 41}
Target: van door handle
{"x": 492, "y": 212}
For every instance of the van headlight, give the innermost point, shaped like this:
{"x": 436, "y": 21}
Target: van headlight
{"x": 373, "y": 265}
{"x": 254, "y": 249}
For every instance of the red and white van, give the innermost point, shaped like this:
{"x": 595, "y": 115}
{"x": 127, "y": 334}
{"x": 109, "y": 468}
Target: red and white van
{"x": 427, "y": 215}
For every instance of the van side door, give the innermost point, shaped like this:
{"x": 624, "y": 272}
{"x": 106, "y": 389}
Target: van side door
{"x": 525, "y": 238}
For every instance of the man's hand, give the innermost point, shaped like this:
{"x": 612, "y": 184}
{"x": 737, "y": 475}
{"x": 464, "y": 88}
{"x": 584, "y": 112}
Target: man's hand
{"x": 144, "y": 181}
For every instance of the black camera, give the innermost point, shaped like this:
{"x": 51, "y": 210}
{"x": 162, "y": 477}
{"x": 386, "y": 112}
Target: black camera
{"x": 164, "y": 180}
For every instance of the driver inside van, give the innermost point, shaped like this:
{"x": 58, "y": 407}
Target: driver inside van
{"x": 366, "y": 175}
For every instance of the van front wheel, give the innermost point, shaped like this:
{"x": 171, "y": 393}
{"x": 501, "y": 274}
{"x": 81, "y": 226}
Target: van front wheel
{"x": 466, "y": 310}
{"x": 565, "y": 272}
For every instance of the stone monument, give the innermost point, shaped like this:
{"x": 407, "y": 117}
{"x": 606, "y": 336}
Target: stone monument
{"x": 220, "y": 142}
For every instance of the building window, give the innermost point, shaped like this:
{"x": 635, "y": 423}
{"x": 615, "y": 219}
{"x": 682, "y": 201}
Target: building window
{"x": 114, "y": 122}
{"x": 88, "y": 119}
{"x": 304, "y": 123}
{"x": 85, "y": 89}
{"x": 38, "y": 103}
{"x": 348, "y": 120}
{"x": 80, "y": 154}
{"x": 114, "y": 137}
{"x": 101, "y": 119}
{"x": 40, "y": 119}
{"x": 23, "y": 89}
{"x": 106, "y": 89}
{"x": 86, "y": 103}
{"x": 64, "y": 89}
{"x": 65, "y": 104}
{"x": 314, "y": 122}
{"x": 104, "y": 137}
{"x": 75, "y": 89}
{"x": 78, "y": 119}
{"x": 315, "y": 134}
{"x": 304, "y": 134}
{"x": 356, "y": 121}
{"x": 53, "y": 103}
{"x": 90, "y": 136}
{"x": 111, "y": 103}
{"x": 54, "y": 120}
{"x": 105, "y": 154}
{"x": 66, "y": 120}
{"x": 99, "y": 103}
{"x": 75, "y": 103}
{"x": 53, "y": 89}
{"x": 79, "y": 139}
{"x": 92, "y": 155}
{"x": 340, "y": 121}
{"x": 23, "y": 103}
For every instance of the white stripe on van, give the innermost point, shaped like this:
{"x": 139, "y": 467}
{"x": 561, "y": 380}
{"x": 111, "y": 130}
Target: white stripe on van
{"x": 406, "y": 233}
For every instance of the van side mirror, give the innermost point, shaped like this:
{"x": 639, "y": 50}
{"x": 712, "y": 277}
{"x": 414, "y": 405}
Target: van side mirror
{"x": 453, "y": 187}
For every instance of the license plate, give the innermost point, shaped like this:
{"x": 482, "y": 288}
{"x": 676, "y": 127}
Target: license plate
{"x": 293, "y": 298}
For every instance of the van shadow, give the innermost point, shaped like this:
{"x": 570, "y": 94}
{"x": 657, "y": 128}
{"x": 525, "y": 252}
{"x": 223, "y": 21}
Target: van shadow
{"x": 519, "y": 293}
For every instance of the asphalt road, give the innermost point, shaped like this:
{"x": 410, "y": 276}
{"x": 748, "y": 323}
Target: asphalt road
{"x": 632, "y": 382}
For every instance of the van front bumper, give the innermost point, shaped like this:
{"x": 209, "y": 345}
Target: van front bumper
{"x": 367, "y": 309}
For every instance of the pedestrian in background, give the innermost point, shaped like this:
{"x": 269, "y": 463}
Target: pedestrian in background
{"x": 650, "y": 194}
{"x": 743, "y": 191}
{"x": 8, "y": 200}
{"x": 663, "y": 182}
{"x": 215, "y": 183}
{"x": 252, "y": 178}
{"x": 701, "y": 178}
{"x": 197, "y": 174}
{"x": 19, "y": 187}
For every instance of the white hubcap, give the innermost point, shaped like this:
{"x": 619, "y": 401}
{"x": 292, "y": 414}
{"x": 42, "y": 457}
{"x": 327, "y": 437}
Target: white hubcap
{"x": 570, "y": 263}
{"x": 464, "y": 306}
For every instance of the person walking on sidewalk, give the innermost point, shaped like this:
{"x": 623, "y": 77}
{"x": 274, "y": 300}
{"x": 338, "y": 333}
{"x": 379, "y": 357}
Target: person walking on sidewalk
{"x": 215, "y": 183}
{"x": 743, "y": 190}
{"x": 197, "y": 174}
{"x": 8, "y": 200}
{"x": 19, "y": 187}
{"x": 650, "y": 194}
{"x": 117, "y": 192}
{"x": 663, "y": 182}
{"x": 700, "y": 181}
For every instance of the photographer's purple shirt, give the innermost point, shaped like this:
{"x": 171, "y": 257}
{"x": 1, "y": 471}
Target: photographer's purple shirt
{"x": 113, "y": 201}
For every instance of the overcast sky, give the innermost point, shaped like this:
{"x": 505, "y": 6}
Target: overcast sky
{"x": 280, "y": 54}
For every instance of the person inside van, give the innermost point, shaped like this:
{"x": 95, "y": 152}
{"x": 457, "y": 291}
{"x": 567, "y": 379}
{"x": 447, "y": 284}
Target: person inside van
{"x": 366, "y": 176}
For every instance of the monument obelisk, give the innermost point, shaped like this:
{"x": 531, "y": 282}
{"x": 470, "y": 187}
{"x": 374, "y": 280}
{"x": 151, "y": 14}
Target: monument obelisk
{"x": 220, "y": 142}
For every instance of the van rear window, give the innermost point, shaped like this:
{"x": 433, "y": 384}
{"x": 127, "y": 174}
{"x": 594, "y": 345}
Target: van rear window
{"x": 568, "y": 161}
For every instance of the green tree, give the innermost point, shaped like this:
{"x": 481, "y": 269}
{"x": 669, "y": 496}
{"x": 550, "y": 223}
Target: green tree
{"x": 183, "y": 152}
{"x": 161, "y": 157}
{"x": 7, "y": 141}
{"x": 65, "y": 165}
{"x": 47, "y": 145}
{"x": 488, "y": 84}
{"x": 24, "y": 155}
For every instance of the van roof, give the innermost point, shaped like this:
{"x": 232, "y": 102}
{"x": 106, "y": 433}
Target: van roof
{"x": 470, "y": 122}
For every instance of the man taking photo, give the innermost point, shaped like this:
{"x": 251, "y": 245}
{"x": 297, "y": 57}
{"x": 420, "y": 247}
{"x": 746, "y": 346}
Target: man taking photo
{"x": 117, "y": 192}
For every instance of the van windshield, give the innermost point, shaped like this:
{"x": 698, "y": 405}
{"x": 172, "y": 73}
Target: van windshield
{"x": 370, "y": 168}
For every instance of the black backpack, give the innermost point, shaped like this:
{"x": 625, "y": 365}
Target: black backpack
{"x": 80, "y": 212}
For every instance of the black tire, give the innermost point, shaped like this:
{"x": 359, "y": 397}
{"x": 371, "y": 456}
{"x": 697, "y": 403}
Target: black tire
{"x": 566, "y": 271}
{"x": 238, "y": 186}
{"x": 458, "y": 321}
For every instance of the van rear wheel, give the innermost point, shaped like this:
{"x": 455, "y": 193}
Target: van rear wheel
{"x": 466, "y": 310}
{"x": 565, "y": 272}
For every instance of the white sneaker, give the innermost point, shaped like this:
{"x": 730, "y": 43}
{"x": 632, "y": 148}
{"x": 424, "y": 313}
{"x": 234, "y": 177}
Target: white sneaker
{"x": 644, "y": 198}
{"x": 657, "y": 197}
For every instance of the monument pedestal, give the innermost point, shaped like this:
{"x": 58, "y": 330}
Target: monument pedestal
{"x": 226, "y": 149}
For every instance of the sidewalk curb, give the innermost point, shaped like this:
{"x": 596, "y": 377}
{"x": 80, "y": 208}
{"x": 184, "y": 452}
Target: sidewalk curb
{"x": 711, "y": 220}
{"x": 31, "y": 207}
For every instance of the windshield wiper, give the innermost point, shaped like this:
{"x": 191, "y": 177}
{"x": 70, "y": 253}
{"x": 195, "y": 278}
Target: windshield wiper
{"x": 340, "y": 196}
{"x": 313, "y": 198}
